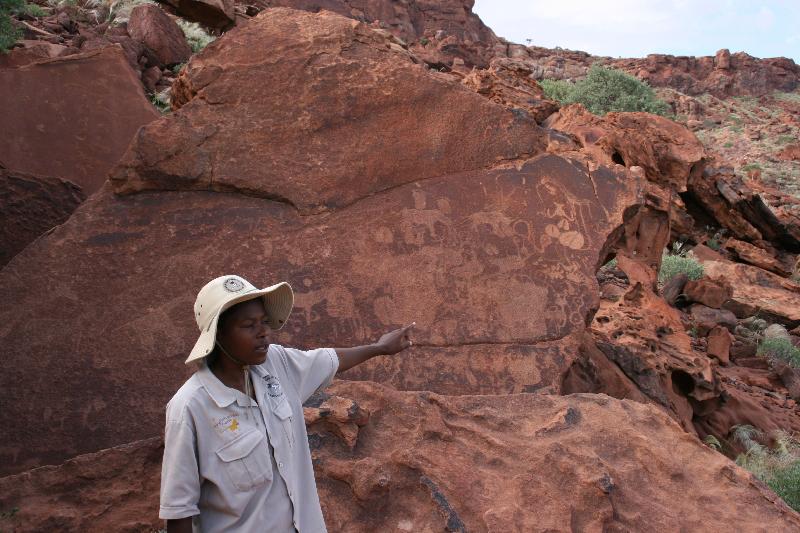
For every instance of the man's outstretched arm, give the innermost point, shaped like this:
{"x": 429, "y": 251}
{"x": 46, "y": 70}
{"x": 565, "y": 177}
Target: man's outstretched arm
{"x": 389, "y": 344}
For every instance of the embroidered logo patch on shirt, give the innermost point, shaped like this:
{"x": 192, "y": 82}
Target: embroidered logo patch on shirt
{"x": 226, "y": 423}
{"x": 273, "y": 386}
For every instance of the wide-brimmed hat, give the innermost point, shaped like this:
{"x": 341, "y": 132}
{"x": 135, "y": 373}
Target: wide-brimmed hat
{"x": 226, "y": 291}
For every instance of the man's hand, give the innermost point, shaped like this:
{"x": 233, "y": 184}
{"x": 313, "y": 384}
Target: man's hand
{"x": 396, "y": 341}
{"x": 389, "y": 344}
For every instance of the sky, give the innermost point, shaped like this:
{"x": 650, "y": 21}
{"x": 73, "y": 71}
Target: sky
{"x": 635, "y": 28}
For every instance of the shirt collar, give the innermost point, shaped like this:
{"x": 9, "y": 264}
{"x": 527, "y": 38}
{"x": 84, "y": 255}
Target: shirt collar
{"x": 222, "y": 395}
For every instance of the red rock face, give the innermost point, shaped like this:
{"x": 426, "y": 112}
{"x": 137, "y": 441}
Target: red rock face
{"x": 378, "y": 456}
{"x": 347, "y": 135}
{"x": 29, "y": 206}
{"x": 112, "y": 490}
{"x": 508, "y": 82}
{"x": 579, "y": 458}
{"x": 162, "y": 37}
{"x": 724, "y": 75}
{"x": 403, "y": 195}
{"x": 439, "y": 31}
{"x": 666, "y": 151}
{"x": 60, "y": 121}
{"x": 710, "y": 293}
{"x": 758, "y": 292}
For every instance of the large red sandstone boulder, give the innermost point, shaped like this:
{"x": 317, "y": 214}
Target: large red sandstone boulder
{"x": 753, "y": 255}
{"x": 758, "y": 292}
{"x": 31, "y": 205}
{"x": 707, "y": 292}
{"x": 29, "y": 51}
{"x": 424, "y": 462}
{"x": 71, "y": 117}
{"x": 358, "y": 117}
{"x": 382, "y": 191}
{"x": 111, "y": 490}
{"x": 666, "y": 150}
{"x": 160, "y": 34}
{"x": 439, "y": 31}
{"x": 508, "y": 82}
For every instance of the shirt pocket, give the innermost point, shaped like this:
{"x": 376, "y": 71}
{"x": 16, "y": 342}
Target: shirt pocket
{"x": 246, "y": 460}
{"x": 283, "y": 411}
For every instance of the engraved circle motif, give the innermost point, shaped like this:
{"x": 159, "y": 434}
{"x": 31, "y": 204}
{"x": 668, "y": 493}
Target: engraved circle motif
{"x": 233, "y": 285}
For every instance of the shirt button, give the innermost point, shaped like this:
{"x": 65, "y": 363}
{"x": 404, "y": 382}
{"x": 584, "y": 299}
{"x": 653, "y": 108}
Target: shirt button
{"x": 280, "y": 465}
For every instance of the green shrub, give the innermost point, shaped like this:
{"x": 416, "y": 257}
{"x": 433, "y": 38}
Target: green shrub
{"x": 114, "y": 11}
{"x": 162, "y": 101}
{"x": 778, "y": 467}
{"x": 786, "y": 484}
{"x": 33, "y": 10}
{"x": 672, "y": 265}
{"x": 9, "y": 33}
{"x": 604, "y": 90}
{"x": 558, "y": 90}
{"x": 712, "y": 442}
{"x": 197, "y": 37}
{"x": 782, "y": 349}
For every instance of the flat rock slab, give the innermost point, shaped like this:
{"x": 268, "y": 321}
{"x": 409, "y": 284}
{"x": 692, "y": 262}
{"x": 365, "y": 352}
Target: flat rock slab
{"x": 111, "y": 490}
{"x": 71, "y": 117}
{"x": 31, "y": 205}
{"x": 758, "y": 292}
{"x": 523, "y": 462}
{"x": 424, "y": 462}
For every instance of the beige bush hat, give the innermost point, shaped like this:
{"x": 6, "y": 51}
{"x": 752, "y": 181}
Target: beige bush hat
{"x": 226, "y": 291}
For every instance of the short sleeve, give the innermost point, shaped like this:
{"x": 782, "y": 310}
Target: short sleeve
{"x": 180, "y": 477}
{"x": 311, "y": 370}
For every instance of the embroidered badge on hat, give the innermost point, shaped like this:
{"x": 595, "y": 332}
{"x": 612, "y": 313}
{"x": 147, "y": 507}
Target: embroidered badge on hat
{"x": 233, "y": 285}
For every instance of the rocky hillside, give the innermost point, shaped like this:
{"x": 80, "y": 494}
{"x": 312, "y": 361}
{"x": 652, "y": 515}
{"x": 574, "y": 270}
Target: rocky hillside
{"x": 399, "y": 162}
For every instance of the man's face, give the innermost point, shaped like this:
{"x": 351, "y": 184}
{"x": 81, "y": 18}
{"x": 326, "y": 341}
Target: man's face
{"x": 243, "y": 333}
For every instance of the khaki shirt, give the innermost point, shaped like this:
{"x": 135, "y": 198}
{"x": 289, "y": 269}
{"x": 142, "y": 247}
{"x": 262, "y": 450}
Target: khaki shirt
{"x": 237, "y": 465}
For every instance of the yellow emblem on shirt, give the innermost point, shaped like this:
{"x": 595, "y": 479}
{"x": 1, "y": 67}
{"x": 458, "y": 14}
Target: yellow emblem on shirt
{"x": 234, "y": 425}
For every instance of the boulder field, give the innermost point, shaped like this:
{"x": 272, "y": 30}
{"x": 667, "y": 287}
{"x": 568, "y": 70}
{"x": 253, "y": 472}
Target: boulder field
{"x": 543, "y": 392}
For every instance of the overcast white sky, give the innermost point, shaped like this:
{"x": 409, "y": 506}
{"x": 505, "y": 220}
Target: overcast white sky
{"x": 635, "y": 28}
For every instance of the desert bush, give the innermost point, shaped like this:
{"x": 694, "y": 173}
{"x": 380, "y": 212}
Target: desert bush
{"x": 558, "y": 90}
{"x": 114, "y": 12}
{"x": 162, "y": 101}
{"x": 781, "y": 349}
{"x": 778, "y": 467}
{"x": 196, "y": 36}
{"x": 672, "y": 265}
{"x": 787, "y": 97}
{"x": 604, "y": 90}
{"x": 33, "y": 10}
{"x": 9, "y": 33}
{"x": 712, "y": 442}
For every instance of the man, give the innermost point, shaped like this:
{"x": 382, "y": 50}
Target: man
{"x": 236, "y": 456}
